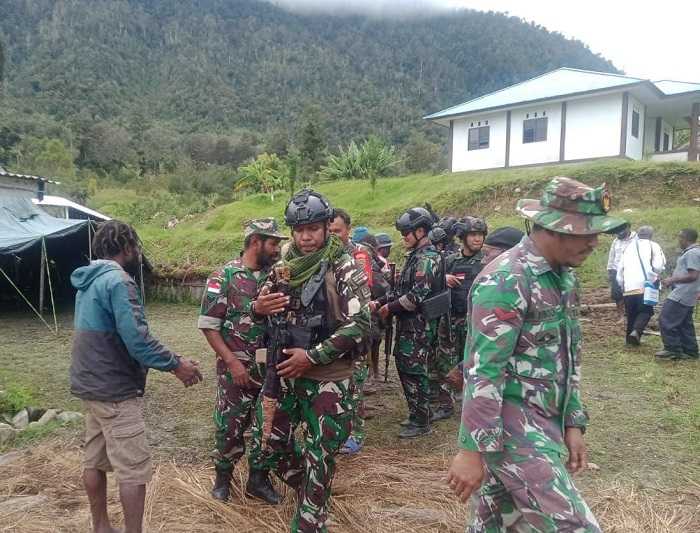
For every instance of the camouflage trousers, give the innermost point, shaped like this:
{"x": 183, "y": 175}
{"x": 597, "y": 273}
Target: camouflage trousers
{"x": 233, "y": 414}
{"x": 449, "y": 351}
{"x": 359, "y": 378}
{"x": 413, "y": 351}
{"x": 532, "y": 492}
{"x": 325, "y": 410}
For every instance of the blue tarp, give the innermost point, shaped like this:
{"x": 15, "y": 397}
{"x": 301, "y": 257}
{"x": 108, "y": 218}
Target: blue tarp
{"x": 22, "y": 224}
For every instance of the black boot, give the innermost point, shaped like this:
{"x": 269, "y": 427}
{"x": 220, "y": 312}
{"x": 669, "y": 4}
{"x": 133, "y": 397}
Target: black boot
{"x": 442, "y": 413}
{"x": 222, "y": 485}
{"x": 413, "y": 431}
{"x": 260, "y": 486}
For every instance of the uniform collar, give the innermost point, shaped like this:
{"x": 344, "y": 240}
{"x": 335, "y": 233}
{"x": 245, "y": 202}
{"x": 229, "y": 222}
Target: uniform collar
{"x": 536, "y": 261}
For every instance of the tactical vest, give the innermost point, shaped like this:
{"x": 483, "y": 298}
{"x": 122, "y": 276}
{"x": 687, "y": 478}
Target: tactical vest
{"x": 315, "y": 312}
{"x": 407, "y": 279}
{"x": 466, "y": 269}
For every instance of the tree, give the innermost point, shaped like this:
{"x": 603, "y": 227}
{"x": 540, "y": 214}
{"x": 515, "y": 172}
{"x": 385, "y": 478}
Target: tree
{"x": 44, "y": 157}
{"x": 108, "y": 147}
{"x": 372, "y": 159}
{"x": 421, "y": 155}
{"x": 267, "y": 173}
{"x": 311, "y": 139}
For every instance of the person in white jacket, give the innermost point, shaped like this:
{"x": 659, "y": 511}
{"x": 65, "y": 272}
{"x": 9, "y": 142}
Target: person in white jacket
{"x": 623, "y": 237}
{"x": 643, "y": 260}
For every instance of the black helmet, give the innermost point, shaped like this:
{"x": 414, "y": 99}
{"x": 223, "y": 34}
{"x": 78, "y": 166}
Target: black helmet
{"x": 383, "y": 240}
{"x": 438, "y": 235}
{"x": 306, "y": 207}
{"x": 414, "y": 218}
{"x": 471, "y": 225}
{"x": 448, "y": 224}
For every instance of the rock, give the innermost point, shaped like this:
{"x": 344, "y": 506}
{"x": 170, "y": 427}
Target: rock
{"x": 69, "y": 416}
{"x": 593, "y": 466}
{"x": 7, "y": 433}
{"x": 47, "y": 417}
{"x": 21, "y": 419}
{"x": 21, "y": 503}
{"x": 9, "y": 458}
{"x": 35, "y": 413}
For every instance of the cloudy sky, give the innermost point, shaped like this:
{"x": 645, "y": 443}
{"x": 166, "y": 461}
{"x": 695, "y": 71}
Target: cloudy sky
{"x": 656, "y": 40}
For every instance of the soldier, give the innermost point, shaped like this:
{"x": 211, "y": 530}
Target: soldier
{"x": 226, "y": 322}
{"x": 328, "y": 320}
{"x": 341, "y": 225}
{"x": 522, "y": 406}
{"x": 462, "y": 268}
{"x": 384, "y": 244}
{"x": 419, "y": 280}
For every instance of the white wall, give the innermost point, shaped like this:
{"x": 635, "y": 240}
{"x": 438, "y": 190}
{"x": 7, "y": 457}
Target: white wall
{"x": 537, "y": 152}
{"x": 634, "y": 149}
{"x": 649, "y": 132}
{"x": 649, "y": 141}
{"x": 492, "y": 157}
{"x": 593, "y": 127}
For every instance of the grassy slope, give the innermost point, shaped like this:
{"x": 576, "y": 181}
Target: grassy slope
{"x": 658, "y": 194}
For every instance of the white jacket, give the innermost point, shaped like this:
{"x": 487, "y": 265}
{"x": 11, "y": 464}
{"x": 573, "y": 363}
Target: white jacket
{"x": 617, "y": 248}
{"x": 630, "y": 274}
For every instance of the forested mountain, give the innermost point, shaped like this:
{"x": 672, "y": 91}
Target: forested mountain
{"x": 230, "y": 65}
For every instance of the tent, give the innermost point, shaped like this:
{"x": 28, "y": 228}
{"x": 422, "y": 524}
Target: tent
{"x": 38, "y": 252}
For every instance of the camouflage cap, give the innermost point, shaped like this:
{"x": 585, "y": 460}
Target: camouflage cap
{"x": 569, "y": 206}
{"x": 262, "y": 226}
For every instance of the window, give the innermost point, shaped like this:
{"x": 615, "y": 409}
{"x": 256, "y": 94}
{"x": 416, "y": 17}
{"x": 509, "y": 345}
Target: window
{"x": 666, "y": 141}
{"x": 534, "y": 130}
{"x": 635, "y": 124}
{"x": 478, "y": 138}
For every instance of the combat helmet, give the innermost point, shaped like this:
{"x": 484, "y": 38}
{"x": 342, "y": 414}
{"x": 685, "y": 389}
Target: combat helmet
{"x": 471, "y": 225}
{"x": 306, "y": 207}
{"x": 383, "y": 240}
{"x": 438, "y": 235}
{"x": 414, "y": 218}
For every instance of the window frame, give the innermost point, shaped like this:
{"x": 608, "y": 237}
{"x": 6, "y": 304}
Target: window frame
{"x": 536, "y": 128}
{"x": 635, "y": 124}
{"x": 478, "y": 144}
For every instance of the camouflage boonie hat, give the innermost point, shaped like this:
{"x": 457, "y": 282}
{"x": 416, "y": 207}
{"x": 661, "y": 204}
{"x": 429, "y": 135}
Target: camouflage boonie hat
{"x": 569, "y": 206}
{"x": 262, "y": 226}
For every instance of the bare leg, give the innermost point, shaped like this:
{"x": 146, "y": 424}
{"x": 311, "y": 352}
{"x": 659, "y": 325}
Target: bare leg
{"x": 95, "y": 482}
{"x": 133, "y": 498}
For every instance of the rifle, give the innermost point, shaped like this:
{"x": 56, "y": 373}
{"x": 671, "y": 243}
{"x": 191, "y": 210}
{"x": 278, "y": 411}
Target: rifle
{"x": 278, "y": 340}
{"x": 389, "y": 332}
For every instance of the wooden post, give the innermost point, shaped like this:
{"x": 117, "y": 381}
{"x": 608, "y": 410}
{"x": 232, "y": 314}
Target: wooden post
{"x": 693, "y": 143}
{"x": 450, "y": 148}
{"x": 42, "y": 276}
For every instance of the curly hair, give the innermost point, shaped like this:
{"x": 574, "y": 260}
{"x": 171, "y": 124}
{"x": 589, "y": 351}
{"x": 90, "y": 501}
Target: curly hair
{"x": 112, "y": 238}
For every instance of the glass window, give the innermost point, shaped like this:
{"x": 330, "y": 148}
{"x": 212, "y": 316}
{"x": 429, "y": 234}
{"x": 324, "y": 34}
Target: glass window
{"x": 635, "y": 124}
{"x": 534, "y": 130}
{"x": 478, "y": 138}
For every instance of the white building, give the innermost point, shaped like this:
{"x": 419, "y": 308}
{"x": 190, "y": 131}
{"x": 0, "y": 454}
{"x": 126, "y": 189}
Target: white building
{"x": 572, "y": 115}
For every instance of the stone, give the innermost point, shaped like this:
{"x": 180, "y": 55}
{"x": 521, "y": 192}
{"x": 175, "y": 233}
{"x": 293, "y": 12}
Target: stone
{"x": 21, "y": 419}
{"x": 21, "y": 503}
{"x": 7, "y": 433}
{"x": 47, "y": 417}
{"x": 35, "y": 413}
{"x": 69, "y": 416}
{"x": 9, "y": 458}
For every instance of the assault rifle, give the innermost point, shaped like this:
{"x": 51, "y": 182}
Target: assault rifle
{"x": 389, "y": 332}
{"x": 278, "y": 340}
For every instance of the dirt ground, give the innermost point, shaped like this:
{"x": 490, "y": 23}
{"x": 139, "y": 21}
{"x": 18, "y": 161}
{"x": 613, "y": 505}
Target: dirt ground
{"x": 644, "y": 443}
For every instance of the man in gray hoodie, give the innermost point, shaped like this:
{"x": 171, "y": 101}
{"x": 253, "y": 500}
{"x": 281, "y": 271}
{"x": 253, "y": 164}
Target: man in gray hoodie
{"x": 112, "y": 352}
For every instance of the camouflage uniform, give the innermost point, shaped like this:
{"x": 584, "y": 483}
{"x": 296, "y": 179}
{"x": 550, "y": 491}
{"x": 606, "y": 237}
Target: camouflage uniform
{"x": 226, "y": 307}
{"x": 523, "y": 373}
{"x": 451, "y": 334}
{"x": 416, "y": 337}
{"x": 321, "y": 400}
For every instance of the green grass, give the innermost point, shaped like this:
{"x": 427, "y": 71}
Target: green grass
{"x": 661, "y": 194}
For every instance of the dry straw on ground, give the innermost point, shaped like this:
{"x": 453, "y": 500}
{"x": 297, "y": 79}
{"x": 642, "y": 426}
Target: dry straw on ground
{"x": 379, "y": 491}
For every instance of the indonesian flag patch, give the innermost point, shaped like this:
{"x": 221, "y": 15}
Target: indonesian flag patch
{"x": 214, "y": 286}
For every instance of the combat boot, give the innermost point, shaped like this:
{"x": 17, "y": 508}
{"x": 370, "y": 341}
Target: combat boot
{"x": 222, "y": 485}
{"x": 412, "y": 431}
{"x": 442, "y": 413}
{"x": 259, "y": 486}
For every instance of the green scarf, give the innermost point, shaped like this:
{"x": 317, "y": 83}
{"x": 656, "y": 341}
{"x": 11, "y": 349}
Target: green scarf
{"x": 302, "y": 267}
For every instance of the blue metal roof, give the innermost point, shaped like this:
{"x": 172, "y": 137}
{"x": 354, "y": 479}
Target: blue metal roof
{"x": 557, "y": 83}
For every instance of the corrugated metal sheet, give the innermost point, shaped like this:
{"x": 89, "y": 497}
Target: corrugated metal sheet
{"x": 671, "y": 87}
{"x": 557, "y": 83}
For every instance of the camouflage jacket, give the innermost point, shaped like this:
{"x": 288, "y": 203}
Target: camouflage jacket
{"x": 523, "y": 356}
{"x": 350, "y": 313}
{"x": 418, "y": 280}
{"x": 226, "y": 307}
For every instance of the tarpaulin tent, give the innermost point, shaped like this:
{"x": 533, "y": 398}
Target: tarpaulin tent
{"x": 37, "y": 251}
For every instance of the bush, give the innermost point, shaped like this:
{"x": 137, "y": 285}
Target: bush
{"x": 15, "y": 398}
